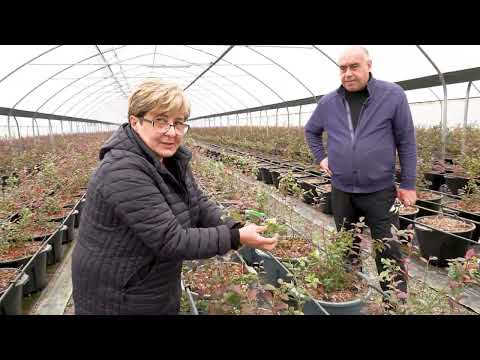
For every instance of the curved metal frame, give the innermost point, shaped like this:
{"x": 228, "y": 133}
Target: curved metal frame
{"x": 134, "y": 68}
{"x": 78, "y": 62}
{"x": 324, "y": 54}
{"x": 241, "y": 69}
{"x": 465, "y": 116}
{"x": 102, "y": 88}
{"x": 284, "y": 69}
{"x": 444, "y": 113}
{"x": 193, "y": 64}
{"x": 14, "y": 71}
{"x": 48, "y": 79}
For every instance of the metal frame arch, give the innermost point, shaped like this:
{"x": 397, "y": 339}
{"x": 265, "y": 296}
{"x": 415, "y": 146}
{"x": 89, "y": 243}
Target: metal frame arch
{"x": 189, "y": 73}
{"x": 83, "y": 89}
{"x": 200, "y": 103}
{"x": 90, "y": 85}
{"x": 193, "y": 64}
{"x": 444, "y": 112}
{"x": 284, "y": 69}
{"x": 325, "y": 54}
{"x": 225, "y": 77}
{"x": 70, "y": 84}
{"x": 241, "y": 69}
{"x": 205, "y": 79}
{"x": 48, "y": 79}
{"x": 465, "y": 117}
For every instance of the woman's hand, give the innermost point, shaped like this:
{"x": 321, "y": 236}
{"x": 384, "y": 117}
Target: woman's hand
{"x": 250, "y": 236}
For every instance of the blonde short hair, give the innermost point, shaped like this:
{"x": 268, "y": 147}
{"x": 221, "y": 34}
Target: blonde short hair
{"x": 157, "y": 93}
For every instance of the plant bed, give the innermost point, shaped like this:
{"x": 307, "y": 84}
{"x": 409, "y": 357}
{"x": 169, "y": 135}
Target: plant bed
{"x": 344, "y": 297}
{"x": 12, "y": 302}
{"x": 15, "y": 257}
{"x": 440, "y": 245}
{"x": 292, "y": 248}
{"x": 455, "y": 183}
{"x": 409, "y": 212}
{"x": 324, "y": 276}
{"x": 470, "y": 212}
{"x": 356, "y": 306}
{"x": 228, "y": 287}
{"x": 429, "y": 200}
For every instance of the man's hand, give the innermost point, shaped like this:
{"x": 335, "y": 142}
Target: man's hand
{"x": 324, "y": 166}
{"x": 249, "y": 236}
{"x": 407, "y": 197}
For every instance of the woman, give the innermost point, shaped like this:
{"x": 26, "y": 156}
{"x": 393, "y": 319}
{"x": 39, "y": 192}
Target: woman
{"x": 144, "y": 214}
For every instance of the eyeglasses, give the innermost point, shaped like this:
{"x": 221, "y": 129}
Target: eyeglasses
{"x": 164, "y": 126}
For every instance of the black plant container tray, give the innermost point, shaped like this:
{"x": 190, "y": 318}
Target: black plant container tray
{"x": 437, "y": 180}
{"x": 70, "y": 223}
{"x": 37, "y": 270}
{"x": 455, "y": 183}
{"x": 12, "y": 302}
{"x": 57, "y": 253}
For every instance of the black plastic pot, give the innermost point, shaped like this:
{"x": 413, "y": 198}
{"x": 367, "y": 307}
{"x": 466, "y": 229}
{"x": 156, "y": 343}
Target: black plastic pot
{"x": 433, "y": 204}
{"x": 265, "y": 172}
{"x": 474, "y": 217}
{"x": 310, "y": 184}
{"x": 325, "y": 202}
{"x": 259, "y": 172}
{"x": 37, "y": 270}
{"x": 57, "y": 253}
{"x": 274, "y": 269}
{"x": 441, "y": 245}
{"x": 320, "y": 307}
{"x": 466, "y": 215}
{"x": 249, "y": 255}
{"x": 437, "y": 180}
{"x": 455, "y": 183}
{"x": 12, "y": 302}
{"x": 276, "y": 174}
{"x": 404, "y": 223}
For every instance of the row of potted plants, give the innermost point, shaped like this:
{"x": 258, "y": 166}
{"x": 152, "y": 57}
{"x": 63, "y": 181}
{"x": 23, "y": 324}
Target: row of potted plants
{"x": 39, "y": 207}
{"x": 266, "y": 260}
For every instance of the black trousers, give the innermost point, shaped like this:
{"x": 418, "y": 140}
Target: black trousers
{"x": 375, "y": 207}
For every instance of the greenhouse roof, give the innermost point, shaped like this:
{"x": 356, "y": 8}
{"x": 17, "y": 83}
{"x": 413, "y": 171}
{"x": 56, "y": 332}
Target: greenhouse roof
{"x": 94, "y": 81}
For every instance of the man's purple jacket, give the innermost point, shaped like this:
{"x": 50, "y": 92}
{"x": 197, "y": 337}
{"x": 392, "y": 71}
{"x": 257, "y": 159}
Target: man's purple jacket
{"x": 363, "y": 161}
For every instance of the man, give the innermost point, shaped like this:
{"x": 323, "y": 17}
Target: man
{"x": 367, "y": 122}
{"x": 144, "y": 214}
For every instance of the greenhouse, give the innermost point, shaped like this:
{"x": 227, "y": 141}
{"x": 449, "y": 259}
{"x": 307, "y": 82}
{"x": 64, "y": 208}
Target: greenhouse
{"x": 237, "y": 209}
